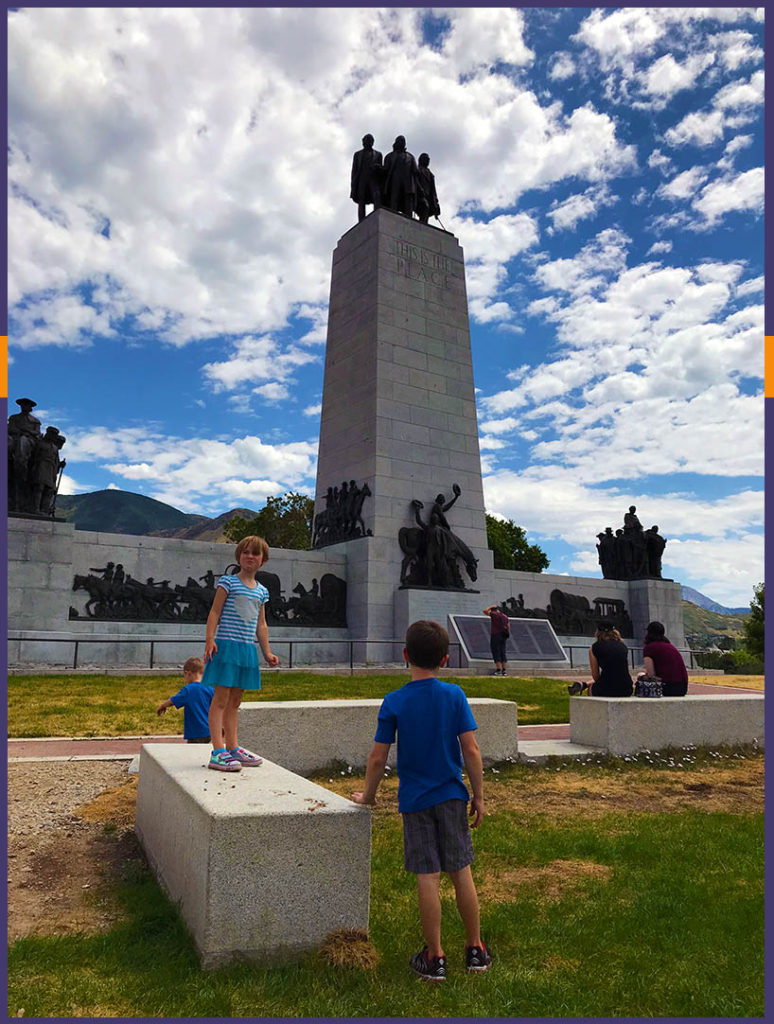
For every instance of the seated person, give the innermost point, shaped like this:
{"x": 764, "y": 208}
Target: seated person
{"x": 195, "y": 701}
{"x": 662, "y": 659}
{"x": 609, "y": 663}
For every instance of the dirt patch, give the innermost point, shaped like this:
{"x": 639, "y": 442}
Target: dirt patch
{"x": 743, "y": 682}
{"x": 62, "y": 852}
{"x": 115, "y": 806}
{"x": 554, "y": 881}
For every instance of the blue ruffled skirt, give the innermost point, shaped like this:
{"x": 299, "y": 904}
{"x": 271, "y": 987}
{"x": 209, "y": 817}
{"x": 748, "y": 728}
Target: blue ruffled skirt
{"x": 235, "y": 664}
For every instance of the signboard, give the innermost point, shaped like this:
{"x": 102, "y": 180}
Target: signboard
{"x": 530, "y": 639}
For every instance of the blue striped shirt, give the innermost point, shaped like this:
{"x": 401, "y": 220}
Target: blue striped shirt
{"x": 239, "y": 618}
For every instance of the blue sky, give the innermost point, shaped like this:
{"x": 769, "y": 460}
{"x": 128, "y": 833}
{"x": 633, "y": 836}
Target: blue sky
{"x": 179, "y": 178}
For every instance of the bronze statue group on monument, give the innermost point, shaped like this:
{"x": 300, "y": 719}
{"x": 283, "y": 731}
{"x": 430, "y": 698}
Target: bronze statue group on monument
{"x": 399, "y": 183}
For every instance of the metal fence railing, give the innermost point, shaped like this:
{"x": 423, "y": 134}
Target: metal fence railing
{"x": 635, "y": 655}
{"x": 349, "y": 647}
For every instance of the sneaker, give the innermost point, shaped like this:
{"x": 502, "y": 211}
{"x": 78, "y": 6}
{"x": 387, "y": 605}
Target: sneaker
{"x": 429, "y": 970}
{"x": 477, "y": 959}
{"x": 574, "y": 688}
{"x": 224, "y": 762}
{"x": 245, "y": 757}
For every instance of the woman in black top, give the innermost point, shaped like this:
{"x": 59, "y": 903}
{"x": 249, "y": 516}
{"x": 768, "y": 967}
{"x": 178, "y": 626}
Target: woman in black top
{"x": 609, "y": 662}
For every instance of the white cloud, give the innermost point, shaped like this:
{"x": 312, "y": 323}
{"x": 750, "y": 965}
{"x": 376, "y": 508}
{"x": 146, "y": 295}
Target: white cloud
{"x": 666, "y": 76}
{"x": 565, "y": 215}
{"x": 256, "y": 359}
{"x": 743, "y": 192}
{"x": 562, "y": 67}
{"x": 741, "y": 94}
{"x": 313, "y": 410}
{"x": 272, "y": 392}
{"x": 482, "y": 37}
{"x": 657, "y": 247}
{"x": 736, "y": 48}
{"x": 660, "y": 160}
{"x": 195, "y": 473}
{"x": 684, "y": 185}
{"x": 659, "y": 347}
{"x": 755, "y": 284}
{"x": 700, "y": 129}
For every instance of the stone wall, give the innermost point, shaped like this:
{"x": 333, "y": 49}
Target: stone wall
{"x": 44, "y": 557}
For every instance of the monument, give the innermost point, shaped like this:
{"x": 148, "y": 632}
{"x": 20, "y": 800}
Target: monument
{"x": 399, "y": 419}
{"x": 399, "y": 525}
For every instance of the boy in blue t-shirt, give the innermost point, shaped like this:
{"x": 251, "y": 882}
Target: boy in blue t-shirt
{"x": 195, "y": 701}
{"x": 435, "y": 729}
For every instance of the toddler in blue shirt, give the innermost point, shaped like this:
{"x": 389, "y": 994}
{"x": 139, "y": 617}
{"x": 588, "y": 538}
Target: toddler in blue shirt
{"x": 195, "y": 701}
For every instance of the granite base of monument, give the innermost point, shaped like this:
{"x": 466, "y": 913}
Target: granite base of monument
{"x": 262, "y": 864}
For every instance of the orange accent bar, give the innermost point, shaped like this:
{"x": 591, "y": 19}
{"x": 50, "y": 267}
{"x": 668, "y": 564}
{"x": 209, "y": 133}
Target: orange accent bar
{"x": 4, "y": 366}
{"x": 768, "y": 379}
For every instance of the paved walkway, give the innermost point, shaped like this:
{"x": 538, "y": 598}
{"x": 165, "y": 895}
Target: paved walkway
{"x": 125, "y": 748}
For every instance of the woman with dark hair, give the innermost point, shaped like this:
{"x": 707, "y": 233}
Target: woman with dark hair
{"x": 662, "y": 659}
{"x": 609, "y": 663}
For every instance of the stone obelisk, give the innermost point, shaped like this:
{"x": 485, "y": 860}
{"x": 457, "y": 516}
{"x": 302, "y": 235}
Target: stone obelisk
{"x": 399, "y": 414}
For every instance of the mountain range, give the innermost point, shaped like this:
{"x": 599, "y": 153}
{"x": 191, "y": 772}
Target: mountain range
{"x": 115, "y": 511}
{"x": 696, "y": 597}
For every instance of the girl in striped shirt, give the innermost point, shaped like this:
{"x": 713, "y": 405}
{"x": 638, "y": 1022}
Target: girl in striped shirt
{"x": 237, "y": 618}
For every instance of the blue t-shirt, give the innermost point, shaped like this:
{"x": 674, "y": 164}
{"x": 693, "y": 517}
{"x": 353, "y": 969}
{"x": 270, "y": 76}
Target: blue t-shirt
{"x": 429, "y": 716}
{"x": 195, "y": 701}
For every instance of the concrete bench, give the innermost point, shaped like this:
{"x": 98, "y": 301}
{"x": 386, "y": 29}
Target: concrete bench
{"x": 305, "y": 735}
{"x": 262, "y": 863}
{"x": 625, "y": 725}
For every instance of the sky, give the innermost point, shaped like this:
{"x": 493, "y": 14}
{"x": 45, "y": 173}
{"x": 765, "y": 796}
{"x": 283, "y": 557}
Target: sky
{"x": 179, "y": 178}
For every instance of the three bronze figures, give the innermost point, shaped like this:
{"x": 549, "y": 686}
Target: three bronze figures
{"x": 399, "y": 182}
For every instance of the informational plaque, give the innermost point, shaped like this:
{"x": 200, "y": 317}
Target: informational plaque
{"x": 530, "y": 639}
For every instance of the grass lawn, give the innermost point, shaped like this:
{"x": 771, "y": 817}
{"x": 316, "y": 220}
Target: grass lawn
{"x": 608, "y": 889}
{"x": 94, "y": 705}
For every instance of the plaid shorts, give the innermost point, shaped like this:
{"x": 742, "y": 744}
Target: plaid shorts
{"x": 437, "y": 838}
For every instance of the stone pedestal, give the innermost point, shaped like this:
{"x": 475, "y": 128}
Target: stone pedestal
{"x": 398, "y": 410}
{"x": 660, "y": 601}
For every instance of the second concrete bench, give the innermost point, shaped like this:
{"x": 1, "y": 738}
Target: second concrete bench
{"x": 305, "y": 735}
{"x": 625, "y": 725}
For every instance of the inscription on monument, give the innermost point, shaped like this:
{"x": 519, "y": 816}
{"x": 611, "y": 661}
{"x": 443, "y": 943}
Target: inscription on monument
{"x": 422, "y": 265}
{"x": 529, "y": 640}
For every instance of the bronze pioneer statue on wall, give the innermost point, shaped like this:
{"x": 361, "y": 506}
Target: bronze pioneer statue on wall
{"x": 631, "y": 553}
{"x": 34, "y": 466}
{"x": 432, "y": 551}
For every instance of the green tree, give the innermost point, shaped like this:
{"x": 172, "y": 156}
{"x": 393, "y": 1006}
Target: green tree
{"x": 511, "y": 550}
{"x": 283, "y": 522}
{"x": 753, "y": 624}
